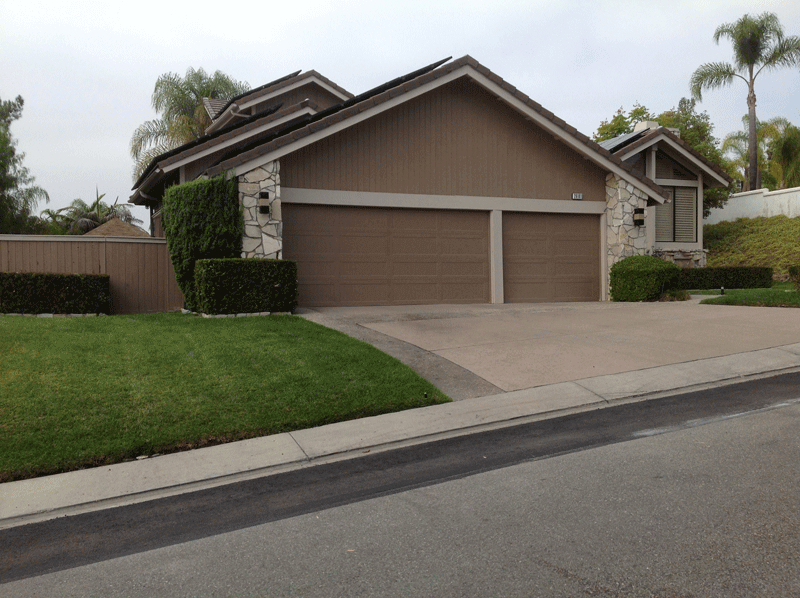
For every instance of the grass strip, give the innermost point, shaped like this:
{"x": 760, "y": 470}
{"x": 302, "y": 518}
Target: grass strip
{"x": 81, "y": 392}
{"x": 774, "y": 297}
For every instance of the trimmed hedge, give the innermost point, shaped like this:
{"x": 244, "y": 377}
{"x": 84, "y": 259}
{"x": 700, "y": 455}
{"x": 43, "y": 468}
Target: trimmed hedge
{"x": 738, "y": 277}
{"x": 45, "y": 293}
{"x": 642, "y": 278}
{"x": 794, "y": 276}
{"x": 251, "y": 285}
{"x": 202, "y": 219}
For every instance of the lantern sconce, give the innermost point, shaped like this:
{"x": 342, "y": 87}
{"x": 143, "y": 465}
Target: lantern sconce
{"x": 638, "y": 216}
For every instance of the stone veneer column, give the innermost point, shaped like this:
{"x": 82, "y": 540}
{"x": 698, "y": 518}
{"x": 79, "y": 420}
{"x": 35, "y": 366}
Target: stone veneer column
{"x": 624, "y": 239}
{"x": 263, "y": 233}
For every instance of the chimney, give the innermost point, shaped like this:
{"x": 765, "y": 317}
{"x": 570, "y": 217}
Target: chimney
{"x": 645, "y": 125}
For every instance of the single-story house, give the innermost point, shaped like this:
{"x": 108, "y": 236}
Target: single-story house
{"x": 446, "y": 185}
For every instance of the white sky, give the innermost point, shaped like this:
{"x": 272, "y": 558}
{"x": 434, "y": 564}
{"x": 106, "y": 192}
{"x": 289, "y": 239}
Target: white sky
{"x": 86, "y": 69}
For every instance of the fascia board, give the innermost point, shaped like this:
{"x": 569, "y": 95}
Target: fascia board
{"x": 237, "y": 139}
{"x": 146, "y": 184}
{"x": 680, "y": 150}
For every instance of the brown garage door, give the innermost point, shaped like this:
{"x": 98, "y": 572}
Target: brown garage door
{"x": 383, "y": 256}
{"x": 551, "y": 257}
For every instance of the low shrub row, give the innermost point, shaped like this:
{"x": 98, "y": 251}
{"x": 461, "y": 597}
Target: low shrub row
{"x": 739, "y": 277}
{"x": 236, "y": 285}
{"x": 646, "y": 278}
{"x": 45, "y": 293}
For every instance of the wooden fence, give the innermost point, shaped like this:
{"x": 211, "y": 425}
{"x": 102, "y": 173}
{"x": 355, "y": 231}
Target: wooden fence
{"x": 140, "y": 271}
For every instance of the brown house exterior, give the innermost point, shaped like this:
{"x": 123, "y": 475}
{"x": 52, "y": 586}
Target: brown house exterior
{"x": 447, "y": 185}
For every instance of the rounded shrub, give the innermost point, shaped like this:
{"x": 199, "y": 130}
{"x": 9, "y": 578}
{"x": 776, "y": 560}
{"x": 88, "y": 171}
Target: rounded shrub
{"x": 642, "y": 278}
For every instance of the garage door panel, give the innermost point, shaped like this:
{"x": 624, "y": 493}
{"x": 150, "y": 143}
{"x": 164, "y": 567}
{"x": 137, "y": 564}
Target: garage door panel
{"x": 387, "y": 256}
{"x": 551, "y": 257}
{"x": 531, "y": 247}
{"x": 362, "y": 244}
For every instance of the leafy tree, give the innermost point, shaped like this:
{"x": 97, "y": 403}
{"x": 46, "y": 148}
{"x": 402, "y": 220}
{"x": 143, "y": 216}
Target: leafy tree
{"x": 19, "y": 195}
{"x": 695, "y": 129}
{"x": 736, "y": 145}
{"x": 785, "y": 158}
{"x": 758, "y": 44}
{"x": 183, "y": 118}
{"x": 622, "y": 123}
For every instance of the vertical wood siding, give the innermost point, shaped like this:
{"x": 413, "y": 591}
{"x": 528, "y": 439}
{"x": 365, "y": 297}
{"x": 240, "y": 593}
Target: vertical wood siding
{"x": 455, "y": 140}
{"x": 140, "y": 270}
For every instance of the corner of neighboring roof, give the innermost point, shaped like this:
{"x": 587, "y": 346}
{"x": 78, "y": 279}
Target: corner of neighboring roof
{"x": 324, "y": 79}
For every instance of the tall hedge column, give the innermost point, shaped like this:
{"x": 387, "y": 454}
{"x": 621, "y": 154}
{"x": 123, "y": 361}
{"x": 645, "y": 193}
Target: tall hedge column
{"x": 263, "y": 233}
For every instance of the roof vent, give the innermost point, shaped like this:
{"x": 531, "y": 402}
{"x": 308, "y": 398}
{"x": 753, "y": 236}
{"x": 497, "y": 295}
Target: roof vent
{"x": 676, "y": 132}
{"x": 645, "y": 125}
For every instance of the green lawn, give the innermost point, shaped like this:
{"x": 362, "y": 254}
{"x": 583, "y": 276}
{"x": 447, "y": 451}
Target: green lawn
{"x": 780, "y": 295}
{"x": 81, "y": 392}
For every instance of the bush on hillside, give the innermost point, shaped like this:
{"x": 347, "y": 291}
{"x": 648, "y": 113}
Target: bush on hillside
{"x": 794, "y": 276}
{"x": 642, "y": 278}
{"x": 771, "y": 242}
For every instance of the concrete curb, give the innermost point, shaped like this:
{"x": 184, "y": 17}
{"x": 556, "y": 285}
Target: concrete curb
{"x": 40, "y": 499}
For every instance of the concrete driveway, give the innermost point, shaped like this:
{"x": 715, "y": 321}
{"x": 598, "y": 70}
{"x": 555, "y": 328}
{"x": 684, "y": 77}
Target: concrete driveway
{"x": 478, "y": 350}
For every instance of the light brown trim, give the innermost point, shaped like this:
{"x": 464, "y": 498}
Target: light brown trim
{"x": 440, "y": 202}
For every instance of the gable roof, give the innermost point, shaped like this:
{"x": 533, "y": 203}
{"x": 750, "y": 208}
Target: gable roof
{"x": 402, "y": 89}
{"x": 313, "y": 127}
{"x": 630, "y": 144}
{"x": 232, "y": 110}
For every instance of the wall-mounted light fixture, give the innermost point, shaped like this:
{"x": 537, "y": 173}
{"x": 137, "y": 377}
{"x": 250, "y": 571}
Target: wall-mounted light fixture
{"x": 263, "y": 202}
{"x": 638, "y": 216}
{"x": 577, "y": 196}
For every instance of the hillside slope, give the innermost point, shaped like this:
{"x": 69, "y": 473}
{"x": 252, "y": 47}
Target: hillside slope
{"x": 773, "y": 242}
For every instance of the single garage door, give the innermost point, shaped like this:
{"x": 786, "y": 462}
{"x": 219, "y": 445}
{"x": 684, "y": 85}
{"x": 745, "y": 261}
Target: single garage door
{"x": 551, "y": 257}
{"x": 386, "y": 256}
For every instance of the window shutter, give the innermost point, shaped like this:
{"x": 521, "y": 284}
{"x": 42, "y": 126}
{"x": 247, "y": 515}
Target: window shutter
{"x": 664, "y": 219}
{"x": 685, "y": 214}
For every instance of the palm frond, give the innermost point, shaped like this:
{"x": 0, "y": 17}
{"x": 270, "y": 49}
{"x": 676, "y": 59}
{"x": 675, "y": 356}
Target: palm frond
{"x": 711, "y": 75}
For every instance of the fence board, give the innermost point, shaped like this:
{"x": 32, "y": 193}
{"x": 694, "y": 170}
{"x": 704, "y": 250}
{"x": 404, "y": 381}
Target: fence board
{"x": 141, "y": 273}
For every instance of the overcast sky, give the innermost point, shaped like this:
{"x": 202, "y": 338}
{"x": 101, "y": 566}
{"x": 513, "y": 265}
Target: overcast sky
{"x": 86, "y": 69}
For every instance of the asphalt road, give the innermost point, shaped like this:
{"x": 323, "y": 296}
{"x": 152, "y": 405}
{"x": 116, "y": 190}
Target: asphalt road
{"x": 692, "y": 495}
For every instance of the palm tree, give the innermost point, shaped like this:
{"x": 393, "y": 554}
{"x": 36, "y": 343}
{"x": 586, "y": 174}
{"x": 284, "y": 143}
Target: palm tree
{"x": 758, "y": 44}
{"x": 179, "y": 100}
{"x": 79, "y": 217}
{"x": 785, "y": 152}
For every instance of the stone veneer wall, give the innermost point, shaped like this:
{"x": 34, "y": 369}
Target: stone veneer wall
{"x": 263, "y": 233}
{"x": 623, "y": 238}
{"x": 685, "y": 258}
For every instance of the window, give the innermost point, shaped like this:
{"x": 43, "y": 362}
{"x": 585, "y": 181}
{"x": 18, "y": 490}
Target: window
{"x": 676, "y": 221}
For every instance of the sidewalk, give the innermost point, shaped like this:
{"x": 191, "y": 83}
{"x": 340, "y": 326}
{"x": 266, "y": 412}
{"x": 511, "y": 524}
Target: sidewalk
{"x": 40, "y": 499}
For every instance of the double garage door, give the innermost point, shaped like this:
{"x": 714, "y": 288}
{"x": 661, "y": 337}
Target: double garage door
{"x": 391, "y": 256}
